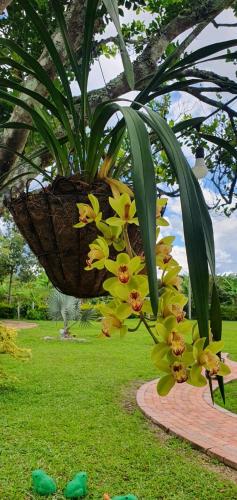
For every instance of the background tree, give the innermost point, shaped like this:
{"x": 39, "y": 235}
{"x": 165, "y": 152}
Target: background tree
{"x": 149, "y": 43}
{"x": 16, "y": 259}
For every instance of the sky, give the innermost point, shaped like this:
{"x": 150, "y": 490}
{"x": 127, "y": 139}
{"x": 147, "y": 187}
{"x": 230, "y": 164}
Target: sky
{"x": 225, "y": 229}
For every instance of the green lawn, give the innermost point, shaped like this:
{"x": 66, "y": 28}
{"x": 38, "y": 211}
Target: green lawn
{"x": 231, "y": 397}
{"x": 67, "y": 414}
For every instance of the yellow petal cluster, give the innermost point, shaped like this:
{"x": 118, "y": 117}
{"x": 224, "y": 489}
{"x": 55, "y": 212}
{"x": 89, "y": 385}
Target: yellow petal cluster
{"x": 179, "y": 352}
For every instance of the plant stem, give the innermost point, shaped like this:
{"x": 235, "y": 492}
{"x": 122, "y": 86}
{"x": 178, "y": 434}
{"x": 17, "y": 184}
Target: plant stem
{"x": 143, "y": 319}
{"x": 136, "y": 328}
{"x": 127, "y": 241}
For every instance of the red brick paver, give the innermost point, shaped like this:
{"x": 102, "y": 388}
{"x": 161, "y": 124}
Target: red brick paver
{"x": 188, "y": 412}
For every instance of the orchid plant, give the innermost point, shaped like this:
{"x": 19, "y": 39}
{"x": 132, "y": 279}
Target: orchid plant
{"x": 79, "y": 142}
{"x": 179, "y": 351}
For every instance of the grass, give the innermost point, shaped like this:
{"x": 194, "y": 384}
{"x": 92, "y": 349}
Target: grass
{"x": 231, "y": 397}
{"x": 67, "y": 414}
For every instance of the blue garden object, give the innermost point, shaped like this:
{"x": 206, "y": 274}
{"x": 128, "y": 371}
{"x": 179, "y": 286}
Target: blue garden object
{"x": 125, "y": 497}
{"x": 42, "y": 484}
{"x": 77, "y": 488}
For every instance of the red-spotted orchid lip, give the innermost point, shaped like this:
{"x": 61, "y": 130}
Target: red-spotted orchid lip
{"x": 123, "y": 274}
{"x": 179, "y": 372}
{"x": 136, "y": 301}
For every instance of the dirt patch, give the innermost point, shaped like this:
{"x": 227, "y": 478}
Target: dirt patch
{"x": 18, "y": 324}
{"x": 129, "y": 404}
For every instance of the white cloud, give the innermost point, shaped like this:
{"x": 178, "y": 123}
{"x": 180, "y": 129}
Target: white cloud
{"x": 179, "y": 254}
{"x": 225, "y": 231}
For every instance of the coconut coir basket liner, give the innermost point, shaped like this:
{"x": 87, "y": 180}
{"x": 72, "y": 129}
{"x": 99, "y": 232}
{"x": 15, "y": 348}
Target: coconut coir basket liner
{"x": 45, "y": 219}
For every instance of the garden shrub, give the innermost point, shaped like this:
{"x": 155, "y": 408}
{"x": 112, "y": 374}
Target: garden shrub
{"x": 229, "y": 312}
{"x": 39, "y": 313}
{"x": 8, "y": 346}
{"x": 7, "y": 311}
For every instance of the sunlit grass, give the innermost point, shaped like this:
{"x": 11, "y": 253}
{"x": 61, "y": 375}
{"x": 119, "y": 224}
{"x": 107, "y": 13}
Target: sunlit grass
{"x": 66, "y": 414}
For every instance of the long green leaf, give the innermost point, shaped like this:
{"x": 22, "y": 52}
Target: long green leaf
{"x": 41, "y": 75}
{"x": 7, "y": 83}
{"x": 215, "y": 314}
{"x": 38, "y": 71}
{"x": 206, "y": 51}
{"x": 90, "y": 17}
{"x": 58, "y": 11}
{"x": 46, "y": 38}
{"x": 190, "y": 123}
{"x": 8, "y": 61}
{"x": 145, "y": 194}
{"x": 112, "y": 9}
{"x": 169, "y": 71}
{"x": 220, "y": 142}
{"x": 46, "y": 132}
{"x": 215, "y": 310}
{"x": 193, "y": 228}
{"x": 18, "y": 125}
{"x": 13, "y": 180}
{"x": 174, "y": 87}
{"x": 143, "y": 179}
{"x": 26, "y": 160}
{"x": 221, "y": 387}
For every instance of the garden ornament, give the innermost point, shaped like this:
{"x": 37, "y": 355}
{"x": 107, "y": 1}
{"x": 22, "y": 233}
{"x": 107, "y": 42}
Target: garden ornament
{"x": 125, "y": 497}
{"x": 77, "y": 488}
{"x": 42, "y": 483}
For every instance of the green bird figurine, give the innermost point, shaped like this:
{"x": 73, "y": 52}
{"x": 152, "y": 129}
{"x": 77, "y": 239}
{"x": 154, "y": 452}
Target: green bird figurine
{"x": 77, "y": 488}
{"x": 125, "y": 497}
{"x": 42, "y": 483}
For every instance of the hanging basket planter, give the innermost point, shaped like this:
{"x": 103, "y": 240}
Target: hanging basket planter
{"x": 45, "y": 218}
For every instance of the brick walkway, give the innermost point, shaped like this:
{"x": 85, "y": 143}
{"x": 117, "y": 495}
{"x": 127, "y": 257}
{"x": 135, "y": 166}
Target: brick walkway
{"x": 188, "y": 412}
{"x": 18, "y": 324}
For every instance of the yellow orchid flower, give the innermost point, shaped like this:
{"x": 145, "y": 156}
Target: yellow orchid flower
{"x": 132, "y": 294}
{"x": 172, "y": 303}
{"x": 117, "y": 187}
{"x": 88, "y": 213}
{"x": 99, "y": 252}
{"x": 125, "y": 209}
{"x": 164, "y": 259}
{"x": 171, "y": 333}
{"x": 207, "y": 358}
{"x": 177, "y": 368}
{"x": 112, "y": 235}
{"x": 177, "y": 372}
{"x": 113, "y": 320}
{"x": 172, "y": 279}
{"x": 123, "y": 268}
{"x": 160, "y": 206}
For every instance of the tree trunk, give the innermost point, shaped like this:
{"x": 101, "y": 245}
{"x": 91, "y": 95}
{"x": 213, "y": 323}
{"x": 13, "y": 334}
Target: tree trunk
{"x": 10, "y": 286}
{"x": 4, "y": 4}
{"x": 144, "y": 65}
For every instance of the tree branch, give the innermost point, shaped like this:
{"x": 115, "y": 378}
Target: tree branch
{"x": 227, "y": 25}
{"x": 16, "y": 139}
{"x": 198, "y": 93}
{"x": 4, "y": 4}
{"x": 145, "y": 64}
{"x": 223, "y": 82}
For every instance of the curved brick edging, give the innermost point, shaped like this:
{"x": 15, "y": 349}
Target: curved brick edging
{"x": 188, "y": 412}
